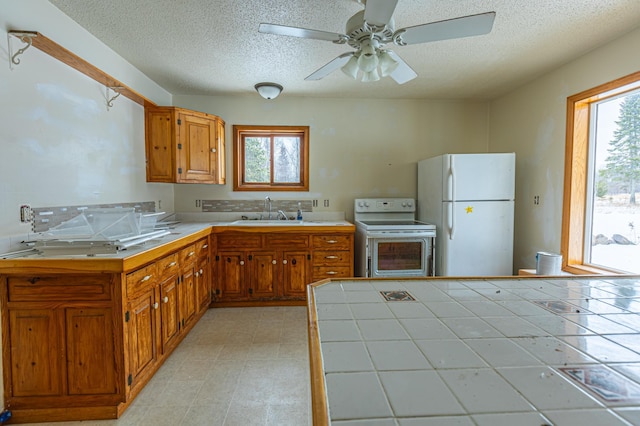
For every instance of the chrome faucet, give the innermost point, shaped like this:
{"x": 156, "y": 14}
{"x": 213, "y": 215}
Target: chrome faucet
{"x": 268, "y": 200}
{"x": 281, "y": 213}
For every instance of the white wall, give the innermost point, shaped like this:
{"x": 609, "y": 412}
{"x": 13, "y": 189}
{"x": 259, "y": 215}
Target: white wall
{"x": 59, "y": 144}
{"x": 531, "y": 121}
{"x": 359, "y": 147}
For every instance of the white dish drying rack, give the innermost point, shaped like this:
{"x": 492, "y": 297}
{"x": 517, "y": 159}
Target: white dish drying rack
{"x": 100, "y": 231}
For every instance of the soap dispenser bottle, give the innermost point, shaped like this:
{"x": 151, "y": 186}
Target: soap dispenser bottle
{"x": 299, "y": 215}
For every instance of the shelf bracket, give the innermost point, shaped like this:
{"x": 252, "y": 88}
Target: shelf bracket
{"x": 24, "y": 36}
{"x": 117, "y": 90}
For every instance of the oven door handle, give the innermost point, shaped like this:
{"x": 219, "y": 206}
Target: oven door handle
{"x": 401, "y": 235}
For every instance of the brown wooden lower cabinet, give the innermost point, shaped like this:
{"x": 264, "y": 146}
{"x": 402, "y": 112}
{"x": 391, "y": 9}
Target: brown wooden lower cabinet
{"x": 254, "y": 266}
{"x": 79, "y": 341}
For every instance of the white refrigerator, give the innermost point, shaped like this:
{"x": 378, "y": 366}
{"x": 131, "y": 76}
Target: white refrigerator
{"x": 470, "y": 199}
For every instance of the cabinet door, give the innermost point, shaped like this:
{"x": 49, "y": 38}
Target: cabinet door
{"x": 160, "y": 145}
{"x": 264, "y": 268}
{"x": 169, "y": 313}
{"x": 203, "y": 283}
{"x": 141, "y": 328}
{"x": 230, "y": 273}
{"x": 295, "y": 274}
{"x": 220, "y": 154}
{"x": 90, "y": 354}
{"x": 197, "y": 149}
{"x": 188, "y": 294}
{"x": 34, "y": 336}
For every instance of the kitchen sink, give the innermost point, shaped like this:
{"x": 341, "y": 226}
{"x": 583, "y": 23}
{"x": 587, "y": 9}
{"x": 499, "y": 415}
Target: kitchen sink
{"x": 266, "y": 222}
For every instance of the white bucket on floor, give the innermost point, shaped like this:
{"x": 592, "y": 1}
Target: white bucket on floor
{"x": 548, "y": 263}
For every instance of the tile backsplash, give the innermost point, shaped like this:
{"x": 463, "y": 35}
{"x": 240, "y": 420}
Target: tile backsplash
{"x": 255, "y": 206}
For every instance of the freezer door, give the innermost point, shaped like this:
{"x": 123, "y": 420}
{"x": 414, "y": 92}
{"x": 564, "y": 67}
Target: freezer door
{"x": 479, "y": 176}
{"x": 478, "y": 239}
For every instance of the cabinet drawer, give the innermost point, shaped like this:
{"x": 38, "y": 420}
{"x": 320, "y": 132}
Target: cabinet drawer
{"x": 140, "y": 280}
{"x": 287, "y": 241}
{"x": 332, "y": 242}
{"x": 323, "y": 272}
{"x": 68, "y": 287}
{"x": 168, "y": 266}
{"x": 331, "y": 257}
{"x": 202, "y": 247}
{"x": 239, "y": 242}
{"x": 187, "y": 255}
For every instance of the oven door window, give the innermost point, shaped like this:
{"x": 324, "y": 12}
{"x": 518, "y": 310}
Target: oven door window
{"x": 400, "y": 257}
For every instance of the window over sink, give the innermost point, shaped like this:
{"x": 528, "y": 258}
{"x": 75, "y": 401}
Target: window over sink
{"x": 270, "y": 158}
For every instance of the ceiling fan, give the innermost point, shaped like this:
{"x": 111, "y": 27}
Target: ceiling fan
{"x": 369, "y": 30}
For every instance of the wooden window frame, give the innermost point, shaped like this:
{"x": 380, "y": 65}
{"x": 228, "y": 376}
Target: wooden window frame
{"x": 238, "y": 158}
{"x": 576, "y": 172}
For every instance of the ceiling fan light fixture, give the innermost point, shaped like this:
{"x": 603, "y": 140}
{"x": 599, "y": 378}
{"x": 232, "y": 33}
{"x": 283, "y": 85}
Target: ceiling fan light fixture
{"x": 387, "y": 64}
{"x": 368, "y": 62}
{"x": 351, "y": 67}
{"x": 268, "y": 90}
{"x": 370, "y": 76}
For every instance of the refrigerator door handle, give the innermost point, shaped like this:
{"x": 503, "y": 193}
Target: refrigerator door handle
{"x": 453, "y": 198}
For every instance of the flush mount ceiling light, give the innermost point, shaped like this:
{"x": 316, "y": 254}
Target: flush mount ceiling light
{"x": 268, "y": 90}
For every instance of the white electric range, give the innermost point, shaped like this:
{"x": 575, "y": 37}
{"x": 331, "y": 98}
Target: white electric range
{"x": 389, "y": 241}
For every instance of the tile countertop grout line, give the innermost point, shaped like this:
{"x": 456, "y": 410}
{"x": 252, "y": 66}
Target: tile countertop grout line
{"x": 438, "y": 371}
{"x": 546, "y": 365}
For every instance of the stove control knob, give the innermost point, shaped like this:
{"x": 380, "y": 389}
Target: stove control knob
{"x": 404, "y": 204}
{"x": 409, "y": 203}
{"x": 366, "y": 204}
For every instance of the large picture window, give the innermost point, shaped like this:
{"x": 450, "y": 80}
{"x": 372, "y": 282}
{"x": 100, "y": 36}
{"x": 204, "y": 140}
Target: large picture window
{"x": 271, "y": 158}
{"x": 602, "y": 179}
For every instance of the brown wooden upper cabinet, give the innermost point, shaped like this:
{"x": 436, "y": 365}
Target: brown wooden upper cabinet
{"x": 184, "y": 146}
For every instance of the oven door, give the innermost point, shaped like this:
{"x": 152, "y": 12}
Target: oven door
{"x": 395, "y": 254}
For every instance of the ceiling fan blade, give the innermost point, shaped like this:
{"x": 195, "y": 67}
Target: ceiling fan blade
{"x": 302, "y": 33}
{"x": 330, "y": 67}
{"x": 465, "y": 26}
{"x": 379, "y": 12}
{"x": 404, "y": 72}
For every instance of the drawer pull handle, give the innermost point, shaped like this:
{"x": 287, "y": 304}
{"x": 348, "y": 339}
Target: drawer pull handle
{"x": 332, "y": 241}
{"x": 242, "y": 262}
{"x": 284, "y": 262}
{"x": 201, "y": 272}
{"x": 331, "y": 272}
{"x": 331, "y": 257}
{"x": 166, "y": 299}
{"x": 274, "y": 261}
{"x": 171, "y": 265}
{"x": 155, "y": 305}
{"x": 146, "y": 278}
{"x": 34, "y": 280}
{"x": 205, "y": 246}
{"x": 197, "y": 274}
{"x": 191, "y": 253}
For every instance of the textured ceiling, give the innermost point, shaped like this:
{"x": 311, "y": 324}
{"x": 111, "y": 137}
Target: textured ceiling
{"x": 209, "y": 47}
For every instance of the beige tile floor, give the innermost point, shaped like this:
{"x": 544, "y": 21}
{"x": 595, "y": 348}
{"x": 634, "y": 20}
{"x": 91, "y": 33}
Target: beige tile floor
{"x": 238, "y": 366}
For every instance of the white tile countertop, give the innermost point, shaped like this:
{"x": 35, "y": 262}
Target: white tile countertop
{"x": 501, "y": 351}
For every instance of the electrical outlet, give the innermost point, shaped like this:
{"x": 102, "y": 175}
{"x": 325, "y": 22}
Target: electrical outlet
{"x": 536, "y": 200}
{"x": 198, "y": 203}
{"x": 315, "y": 203}
{"x": 326, "y": 203}
{"x": 25, "y": 213}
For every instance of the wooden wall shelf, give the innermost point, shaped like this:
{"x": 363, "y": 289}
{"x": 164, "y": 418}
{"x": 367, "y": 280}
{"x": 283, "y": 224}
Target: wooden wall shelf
{"x": 53, "y": 49}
